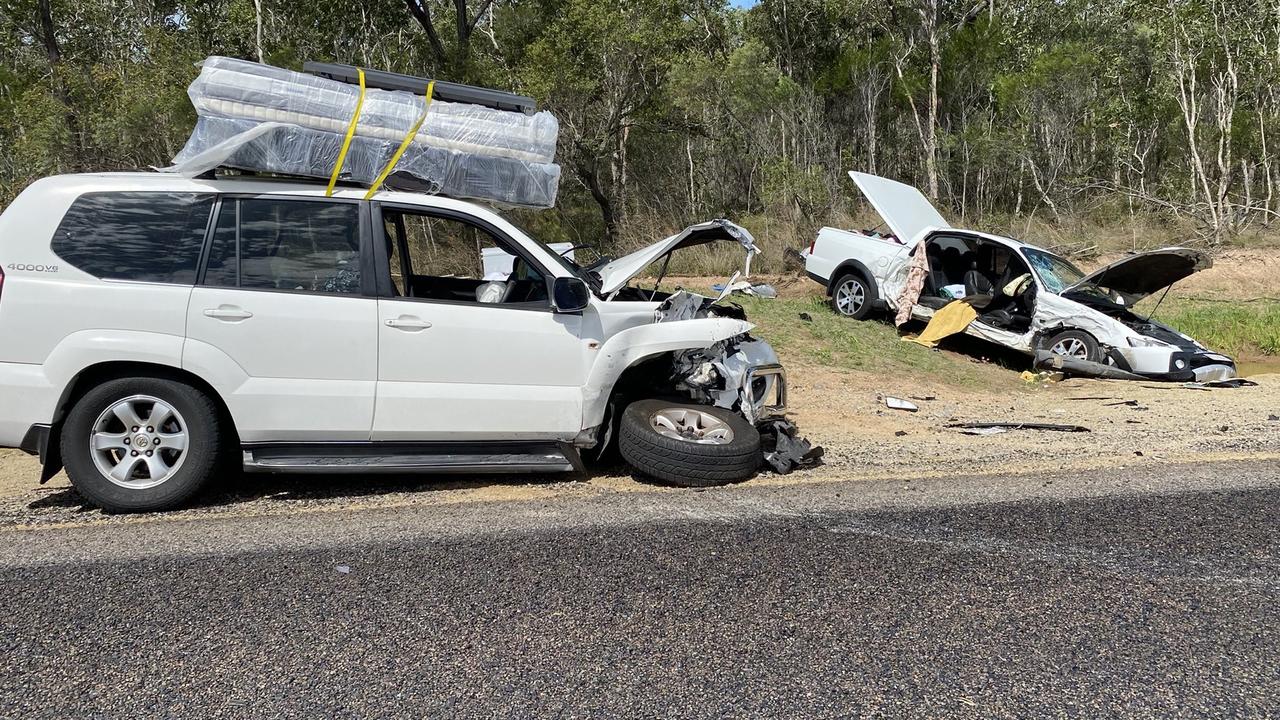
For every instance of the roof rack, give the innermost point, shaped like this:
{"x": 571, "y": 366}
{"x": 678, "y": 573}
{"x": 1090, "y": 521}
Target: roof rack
{"x": 447, "y": 91}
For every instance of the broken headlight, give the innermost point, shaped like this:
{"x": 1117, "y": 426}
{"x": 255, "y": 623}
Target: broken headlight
{"x": 1143, "y": 341}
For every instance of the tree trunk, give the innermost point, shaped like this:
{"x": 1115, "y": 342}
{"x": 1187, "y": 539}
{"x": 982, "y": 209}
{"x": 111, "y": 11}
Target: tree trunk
{"x": 935, "y": 61}
{"x": 1189, "y": 103}
{"x": 48, "y": 33}
{"x": 688, "y": 151}
{"x": 589, "y": 174}
{"x": 53, "y": 52}
{"x": 462, "y": 50}
{"x": 257, "y": 13}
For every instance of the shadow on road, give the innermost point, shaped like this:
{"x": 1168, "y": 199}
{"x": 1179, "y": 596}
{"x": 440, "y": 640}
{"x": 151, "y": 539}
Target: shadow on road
{"x": 235, "y": 488}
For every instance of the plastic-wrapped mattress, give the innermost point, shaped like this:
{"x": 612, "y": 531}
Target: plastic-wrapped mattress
{"x": 294, "y": 150}
{"x": 266, "y": 119}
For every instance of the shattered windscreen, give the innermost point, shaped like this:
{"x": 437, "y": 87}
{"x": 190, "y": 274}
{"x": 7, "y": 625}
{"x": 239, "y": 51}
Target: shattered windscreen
{"x": 1055, "y": 273}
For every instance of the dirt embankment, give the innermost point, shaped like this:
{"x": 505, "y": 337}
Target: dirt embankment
{"x": 1237, "y": 274}
{"x": 1130, "y": 423}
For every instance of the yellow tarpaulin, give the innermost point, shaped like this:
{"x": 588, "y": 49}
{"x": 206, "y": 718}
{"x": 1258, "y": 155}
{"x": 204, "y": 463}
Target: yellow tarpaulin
{"x": 954, "y": 317}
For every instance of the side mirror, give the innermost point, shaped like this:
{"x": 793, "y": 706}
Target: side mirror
{"x": 569, "y": 295}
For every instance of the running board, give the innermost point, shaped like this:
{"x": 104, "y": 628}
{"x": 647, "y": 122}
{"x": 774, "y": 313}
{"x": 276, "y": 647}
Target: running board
{"x": 545, "y": 457}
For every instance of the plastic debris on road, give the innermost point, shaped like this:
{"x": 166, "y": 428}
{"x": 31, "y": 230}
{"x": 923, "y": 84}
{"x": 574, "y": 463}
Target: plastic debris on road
{"x": 894, "y": 403}
{"x": 783, "y": 450}
{"x": 965, "y": 427}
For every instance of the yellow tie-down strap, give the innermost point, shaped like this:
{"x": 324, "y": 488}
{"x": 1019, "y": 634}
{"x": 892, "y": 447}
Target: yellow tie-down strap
{"x": 346, "y": 142}
{"x": 404, "y": 144}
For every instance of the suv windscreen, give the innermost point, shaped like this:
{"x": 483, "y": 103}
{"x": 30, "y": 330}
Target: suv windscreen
{"x": 139, "y": 236}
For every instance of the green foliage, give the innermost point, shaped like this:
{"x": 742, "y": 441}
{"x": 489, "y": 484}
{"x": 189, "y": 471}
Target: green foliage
{"x": 837, "y": 342}
{"x": 676, "y": 110}
{"x": 1237, "y": 328}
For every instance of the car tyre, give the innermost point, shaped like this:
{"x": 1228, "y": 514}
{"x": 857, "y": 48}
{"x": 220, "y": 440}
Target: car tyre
{"x": 174, "y": 439}
{"x": 688, "y": 445}
{"x": 1076, "y": 344}
{"x": 851, "y": 296}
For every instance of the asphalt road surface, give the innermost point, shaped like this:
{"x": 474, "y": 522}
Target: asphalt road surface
{"x": 1154, "y": 594}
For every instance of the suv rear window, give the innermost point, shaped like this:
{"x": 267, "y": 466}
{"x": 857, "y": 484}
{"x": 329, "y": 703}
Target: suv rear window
{"x": 140, "y": 236}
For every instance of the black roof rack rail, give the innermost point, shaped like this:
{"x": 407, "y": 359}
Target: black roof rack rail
{"x": 447, "y": 91}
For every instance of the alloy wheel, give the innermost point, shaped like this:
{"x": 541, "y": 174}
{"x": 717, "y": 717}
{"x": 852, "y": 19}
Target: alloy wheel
{"x": 1071, "y": 347}
{"x": 139, "y": 442}
{"x": 850, "y": 297}
{"x": 692, "y": 426}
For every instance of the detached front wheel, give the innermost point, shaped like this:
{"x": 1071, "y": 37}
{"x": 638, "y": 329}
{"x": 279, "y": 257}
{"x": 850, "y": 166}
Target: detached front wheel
{"x": 688, "y": 445}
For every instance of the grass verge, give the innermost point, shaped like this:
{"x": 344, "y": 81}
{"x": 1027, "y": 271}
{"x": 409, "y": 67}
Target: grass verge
{"x": 871, "y": 346}
{"x": 1240, "y": 328}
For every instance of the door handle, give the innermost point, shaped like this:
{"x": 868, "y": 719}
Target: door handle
{"x": 406, "y": 322}
{"x": 229, "y": 313}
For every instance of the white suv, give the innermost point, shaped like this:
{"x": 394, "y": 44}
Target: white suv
{"x": 153, "y": 326}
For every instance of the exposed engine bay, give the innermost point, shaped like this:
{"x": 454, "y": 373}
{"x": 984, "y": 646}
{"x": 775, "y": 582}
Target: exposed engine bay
{"x": 742, "y": 374}
{"x": 1137, "y": 323}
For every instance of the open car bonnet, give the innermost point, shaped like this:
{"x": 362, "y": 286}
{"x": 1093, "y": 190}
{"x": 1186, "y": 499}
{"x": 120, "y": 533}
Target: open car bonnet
{"x": 903, "y": 208}
{"x": 1138, "y": 276}
{"x": 618, "y": 273}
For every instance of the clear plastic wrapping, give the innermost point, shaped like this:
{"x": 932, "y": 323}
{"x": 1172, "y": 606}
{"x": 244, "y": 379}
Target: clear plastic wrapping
{"x": 293, "y": 150}
{"x": 267, "y": 119}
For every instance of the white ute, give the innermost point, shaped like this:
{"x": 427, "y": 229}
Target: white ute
{"x": 153, "y": 326}
{"x": 1027, "y": 298}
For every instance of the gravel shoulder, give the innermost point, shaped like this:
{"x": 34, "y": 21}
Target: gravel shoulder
{"x": 842, "y": 411}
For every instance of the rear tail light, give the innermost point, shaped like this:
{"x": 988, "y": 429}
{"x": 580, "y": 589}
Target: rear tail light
{"x": 813, "y": 245}
{"x": 1, "y": 281}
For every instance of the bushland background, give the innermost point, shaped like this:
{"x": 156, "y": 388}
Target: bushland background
{"x": 1088, "y": 126}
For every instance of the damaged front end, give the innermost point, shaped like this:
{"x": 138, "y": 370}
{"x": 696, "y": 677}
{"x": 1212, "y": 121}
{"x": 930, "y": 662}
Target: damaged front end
{"x": 742, "y": 374}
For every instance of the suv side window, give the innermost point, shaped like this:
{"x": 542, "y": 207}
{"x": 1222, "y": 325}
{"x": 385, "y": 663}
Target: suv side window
{"x": 444, "y": 258}
{"x": 286, "y": 244}
{"x": 139, "y": 236}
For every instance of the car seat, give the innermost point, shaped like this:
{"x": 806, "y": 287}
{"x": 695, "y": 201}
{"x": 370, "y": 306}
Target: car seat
{"x": 937, "y": 276}
{"x": 976, "y": 283}
{"x": 1012, "y": 311}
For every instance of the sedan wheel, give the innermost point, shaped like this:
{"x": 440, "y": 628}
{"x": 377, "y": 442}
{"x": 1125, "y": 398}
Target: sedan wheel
{"x": 1075, "y": 344}
{"x": 851, "y": 296}
{"x": 1071, "y": 347}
